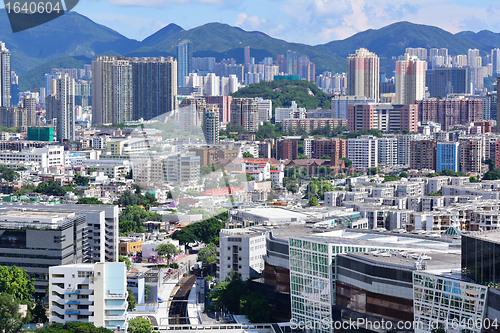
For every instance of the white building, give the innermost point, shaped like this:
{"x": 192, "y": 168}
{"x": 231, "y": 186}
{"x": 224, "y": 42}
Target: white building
{"x": 340, "y": 104}
{"x": 363, "y": 152}
{"x": 388, "y": 151}
{"x": 90, "y": 293}
{"x": 292, "y": 112}
{"x": 50, "y": 156}
{"x": 410, "y": 80}
{"x": 265, "y": 108}
{"x": 65, "y": 107}
{"x": 241, "y": 251}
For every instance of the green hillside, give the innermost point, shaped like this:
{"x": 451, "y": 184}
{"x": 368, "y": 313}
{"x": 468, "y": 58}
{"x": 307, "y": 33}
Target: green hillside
{"x": 393, "y": 39}
{"x": 282, "y": 93}
{"x": 36, "y": 76}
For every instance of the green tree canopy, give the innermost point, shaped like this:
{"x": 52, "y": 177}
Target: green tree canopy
{"x": 313, "y": 201}
{"x": 139, "y": 325}
{"x": 208, "y": 254}
{"x": 8, "y": 174}
{"x": 15, "y": 281}
{"x": 89, "y": 201}
{"x": 125, "y": 260}
{"x": 81, "y": 180}
{"x": 166, "y": 250}
{"x": 132, "y": 301}
{"x": 10, "y": 318}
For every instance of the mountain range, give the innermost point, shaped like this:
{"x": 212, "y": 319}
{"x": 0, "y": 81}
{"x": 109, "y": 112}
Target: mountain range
{"x": 74, "y": 39}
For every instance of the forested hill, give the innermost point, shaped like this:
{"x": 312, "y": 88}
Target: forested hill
{"x": 283, "y": 92}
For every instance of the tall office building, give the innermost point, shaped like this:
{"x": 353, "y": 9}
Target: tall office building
{"x": 184, "y": 61}
{"x": 292, "y": 62}
{"x": 443, "y": 81}
{"x": 244, "y": 112}
{"x": 211, "y": 124}
{"x": 447, "y": 156}
{"x": 495, "y": 60}
{"x": 154, "y": 84}
{"x": 5, "y": 76}
{"x": 111, "y": 90}
{"x": 64, "y": 107}
{"x": 363, "y": 72}
{"x": 246, "y": 55}
{"x": 410, "y": 79}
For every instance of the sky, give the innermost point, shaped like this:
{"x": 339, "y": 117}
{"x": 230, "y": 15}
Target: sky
{"x": 303, "y": 21}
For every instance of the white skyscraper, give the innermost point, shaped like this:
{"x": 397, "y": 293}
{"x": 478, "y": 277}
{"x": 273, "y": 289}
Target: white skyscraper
{"x": 5, "y": 76}
{"x": 473, "y": 58}
{"x": 65, "y": 107}
{"x": 363, "y": 152}
{"x": 410, "y": 80}
{"x": 495, "y": 60}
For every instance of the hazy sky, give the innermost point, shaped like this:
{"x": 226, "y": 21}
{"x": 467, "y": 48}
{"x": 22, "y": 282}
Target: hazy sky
{"x": 304, "y": 21}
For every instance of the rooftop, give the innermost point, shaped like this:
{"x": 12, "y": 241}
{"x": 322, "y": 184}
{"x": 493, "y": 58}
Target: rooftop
{"x": 22, "y": 218}
{"x": 491, "y": 236}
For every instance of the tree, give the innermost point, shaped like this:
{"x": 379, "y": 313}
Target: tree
{"x": 15, "y": 281}
{"x": 10, "y": 318}
{"x": 132, "y": 301}
{"x": 247, "y": 155}
{"x": 473, "y": 179}
{"x": 139, "y": 325}
{"x": 403, "y": 175}
{"x": 147, "y": 290}
{"x": 249, "y": 178}
{"x": 313, "y": 201}
{"x": 325, "y": 157}
{"x": 492, "y": 174}
{"x": 436, "y": 194}
{"x": 491, "y": 164}
{"x": 89, "y": 201}
{"x": 38, "y": 313}
{"x": 81, "y": 180}
{"x": 125, "y": 260}
{"x": 208, "y": 254}
{"x": 8, "y": 174}
{"x": 167, "y": 250}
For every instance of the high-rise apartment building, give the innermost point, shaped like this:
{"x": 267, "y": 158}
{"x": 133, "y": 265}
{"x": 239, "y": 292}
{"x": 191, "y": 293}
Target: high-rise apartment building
{"x": 154, "y": 84}
{"x": 388, "y": 151}
{"x": 410, "y": 80}
{"x": 287, "y": 149}
{"x": 423, "y": 155}
{"x": 211, "y": 124}
{"x": 224, "y": 105}
{"x": 29, "y": 104}
{"x": 450, "y": 112}
{"x": 111, "y": 90}
{"x": 447, "y": 156}
{"x": 471, "y": 152}
{"x": 65, "y": 107}
{"x": 443, "y": 81}
{"x": 5, "y": 77}
{"x": 265, "y": 107}
{"x": 184, "y": 61}
{"x": 244, "y": 113}
{"x": 473, "y": 58}
{"x": 363, "y": 76}
{"x": 363, "y": 152}
{"x": 322, "y": 147}
{"x": 419, "y": 52}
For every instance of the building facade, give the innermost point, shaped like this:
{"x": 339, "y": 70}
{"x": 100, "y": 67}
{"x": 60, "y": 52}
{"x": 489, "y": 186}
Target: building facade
{"x": 363, "y": 75}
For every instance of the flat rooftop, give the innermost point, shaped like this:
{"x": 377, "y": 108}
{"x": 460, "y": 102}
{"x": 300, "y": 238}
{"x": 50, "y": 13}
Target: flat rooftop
{"x": 372, "y": 239}
{"x": 407, "y": 259}
{"x": 21, "y": 218}
{"x": 491, "y": 236}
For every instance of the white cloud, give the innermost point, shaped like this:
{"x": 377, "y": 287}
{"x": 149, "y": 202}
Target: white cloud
{"x": 249, "y": 22}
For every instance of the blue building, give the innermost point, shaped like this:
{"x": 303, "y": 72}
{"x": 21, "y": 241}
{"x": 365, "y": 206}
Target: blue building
{"x": 447, "y": 156}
